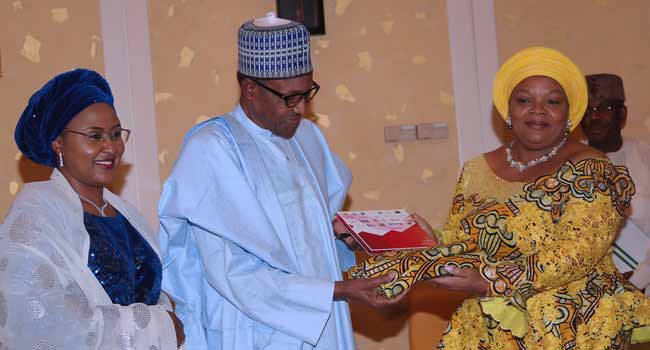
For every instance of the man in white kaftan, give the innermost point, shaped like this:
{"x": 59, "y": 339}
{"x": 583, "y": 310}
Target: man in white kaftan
{"x": 632, "y": 247}
{"x": 605, "y": 117}
{"x": 246, "y": 215}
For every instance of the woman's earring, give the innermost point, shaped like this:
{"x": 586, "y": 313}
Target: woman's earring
{"x": 568, "y": 126}
{"x": 60, "y": 160}
{"x": 509, "y": 122}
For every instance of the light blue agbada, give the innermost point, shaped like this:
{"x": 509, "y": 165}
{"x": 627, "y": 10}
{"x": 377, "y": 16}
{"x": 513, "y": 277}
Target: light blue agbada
{"x": 248, "y": 249}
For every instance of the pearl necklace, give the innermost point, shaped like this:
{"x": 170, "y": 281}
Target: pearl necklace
{"x": 99, "y": 209}
{"x": 522, "y": 166}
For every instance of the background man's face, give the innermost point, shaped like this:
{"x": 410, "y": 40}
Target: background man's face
{"x": 602, "y": 120}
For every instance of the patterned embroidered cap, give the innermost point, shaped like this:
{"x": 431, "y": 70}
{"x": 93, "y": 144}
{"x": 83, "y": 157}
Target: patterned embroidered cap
{"x": 605, "y": 87}
{"x": 273, "y": 48}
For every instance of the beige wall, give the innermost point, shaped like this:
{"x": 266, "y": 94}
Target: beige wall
{"x": 379, "y": 64}
{"x": 37, "y": 43}
{"x": 600, "y": 36}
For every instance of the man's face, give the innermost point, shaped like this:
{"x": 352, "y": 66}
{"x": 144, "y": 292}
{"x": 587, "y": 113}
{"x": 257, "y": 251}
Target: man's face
{"x": 271, "y": 111}
{"x": 602, "y": 120}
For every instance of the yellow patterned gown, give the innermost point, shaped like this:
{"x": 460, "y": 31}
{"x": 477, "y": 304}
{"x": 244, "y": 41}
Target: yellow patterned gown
{"x": 544, "y": 246}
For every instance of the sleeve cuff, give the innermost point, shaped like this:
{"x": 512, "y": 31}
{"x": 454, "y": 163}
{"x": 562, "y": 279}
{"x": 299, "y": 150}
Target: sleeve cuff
{"x": 641, "y": 276}
{"x": 509, "y": 317}
{"x": 313, "y": 305}
{"x": 442, "y": 235}
{"x": 168, "y": 338}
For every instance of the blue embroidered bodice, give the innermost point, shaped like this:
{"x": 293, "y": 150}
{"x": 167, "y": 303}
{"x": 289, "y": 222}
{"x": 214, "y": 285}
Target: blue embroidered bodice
{"x": 122, "y": 260}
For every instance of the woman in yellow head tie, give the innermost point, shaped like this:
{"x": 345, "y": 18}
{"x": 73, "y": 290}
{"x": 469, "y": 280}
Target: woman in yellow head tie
{"x": 530, "y": 228}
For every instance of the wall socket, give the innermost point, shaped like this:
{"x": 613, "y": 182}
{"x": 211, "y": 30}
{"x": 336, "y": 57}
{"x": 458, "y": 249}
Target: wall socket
{"x": 432, "y": 131}
{"x": 410, "y": 132}
{"x": 400, "y": 133}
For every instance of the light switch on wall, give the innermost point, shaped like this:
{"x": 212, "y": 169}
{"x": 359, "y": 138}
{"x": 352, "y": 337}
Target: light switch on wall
{"x": 432, "y": 131}
{"x": 400, "y": 133}
{"x": 409, "y": 132}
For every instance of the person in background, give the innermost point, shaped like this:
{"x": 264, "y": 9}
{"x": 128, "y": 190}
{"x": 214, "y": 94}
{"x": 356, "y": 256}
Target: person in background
{"x": 606, "y": 115}
{"x": 246, "y": 229}
{"x": 530, "y": 228}
{"x": 79, "y": 266}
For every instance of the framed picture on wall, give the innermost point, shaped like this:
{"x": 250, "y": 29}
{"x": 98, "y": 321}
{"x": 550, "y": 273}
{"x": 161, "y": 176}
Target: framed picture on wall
{"x": 308, "y": 12}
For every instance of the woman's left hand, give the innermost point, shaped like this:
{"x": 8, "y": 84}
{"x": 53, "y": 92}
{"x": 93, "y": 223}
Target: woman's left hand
{"x": 425, "y": 226}
{"x": 464, "y": 280}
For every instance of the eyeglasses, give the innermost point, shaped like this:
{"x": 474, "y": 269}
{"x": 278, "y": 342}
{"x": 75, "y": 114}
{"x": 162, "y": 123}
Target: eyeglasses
{"x": 95, "y": 137}
{"x": 605, "y": 107}
{"x": 292, "y": 100}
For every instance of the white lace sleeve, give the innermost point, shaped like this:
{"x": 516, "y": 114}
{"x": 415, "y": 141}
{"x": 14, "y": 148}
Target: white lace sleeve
{"x": 43, "y": 307}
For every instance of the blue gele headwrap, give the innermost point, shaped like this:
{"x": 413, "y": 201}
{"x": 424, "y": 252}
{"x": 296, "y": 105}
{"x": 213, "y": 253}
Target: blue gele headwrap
{"x": 52, "y": 107}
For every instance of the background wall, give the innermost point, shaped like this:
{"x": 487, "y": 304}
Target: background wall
{"x": 379, "y": 64}
{"x": 39, "y": 41}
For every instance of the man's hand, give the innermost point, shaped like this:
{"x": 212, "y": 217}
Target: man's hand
{"x": 342, "y": 234}
{"x": 464, "y": 280}
{"x": 178, "y": 328}
{"x": 424, "y": 225}
{"x": 178, "y": 325}
{"x": 627, "y": 275}
{"x": 366, "y": 291}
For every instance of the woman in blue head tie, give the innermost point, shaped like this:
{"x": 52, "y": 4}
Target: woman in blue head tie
{"x": 79, "y": 266}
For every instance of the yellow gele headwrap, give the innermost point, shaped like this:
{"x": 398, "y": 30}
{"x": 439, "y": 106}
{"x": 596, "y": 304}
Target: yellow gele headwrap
{"x": 546, "y": 62}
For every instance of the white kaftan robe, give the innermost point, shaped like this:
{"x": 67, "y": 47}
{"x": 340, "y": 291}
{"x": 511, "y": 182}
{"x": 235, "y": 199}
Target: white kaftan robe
{"x": 632, "y": 247}
{"x": 249, "y": 252}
